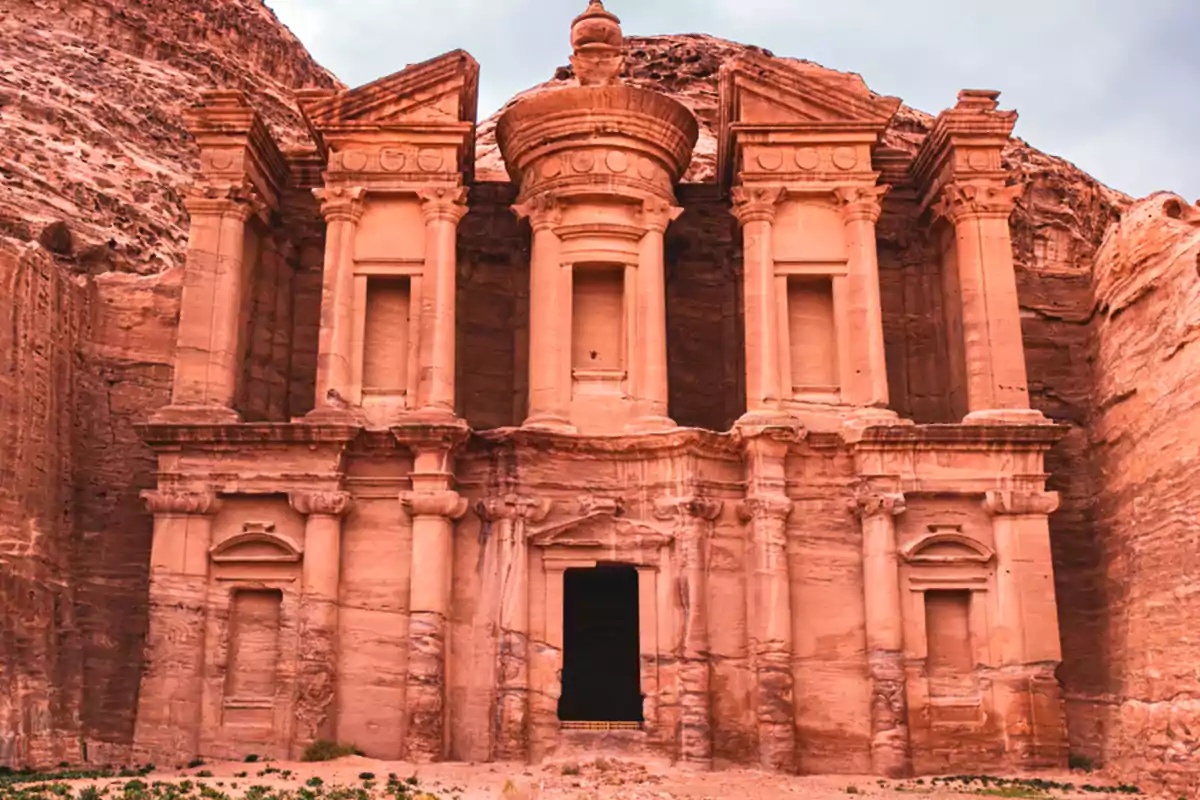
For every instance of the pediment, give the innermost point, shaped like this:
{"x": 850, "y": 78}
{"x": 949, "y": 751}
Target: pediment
{"x": 442, "y": 90}
{"x": 946, "y": 546}
{"x": 258, "y": 543}
{"x": 603, "y": 530}
{"x": 758, "y": 90}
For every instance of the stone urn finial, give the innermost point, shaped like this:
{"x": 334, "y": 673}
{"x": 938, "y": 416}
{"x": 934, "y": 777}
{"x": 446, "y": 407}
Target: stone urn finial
{"x": 596, "y": 39}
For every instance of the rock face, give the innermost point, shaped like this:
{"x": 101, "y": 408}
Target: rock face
{"x": 1146, "y": 440}
{"x": 94, "y": 163}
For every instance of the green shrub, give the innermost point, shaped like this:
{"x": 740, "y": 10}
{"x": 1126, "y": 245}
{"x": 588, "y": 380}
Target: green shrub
{"x": 325, "y": 750}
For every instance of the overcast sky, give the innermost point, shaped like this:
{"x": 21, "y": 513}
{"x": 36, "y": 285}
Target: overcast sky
{"x": 1112, "y": 85}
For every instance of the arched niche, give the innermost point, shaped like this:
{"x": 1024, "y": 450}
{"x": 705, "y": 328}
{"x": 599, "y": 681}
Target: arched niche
{"x": 258, "y": 543}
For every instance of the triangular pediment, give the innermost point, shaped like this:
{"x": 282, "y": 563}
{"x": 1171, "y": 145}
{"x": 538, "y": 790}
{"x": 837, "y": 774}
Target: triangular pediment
{"x": 601, "y": 530}
{"x": 443, "y": 90}
{"x": 759, "y": 90}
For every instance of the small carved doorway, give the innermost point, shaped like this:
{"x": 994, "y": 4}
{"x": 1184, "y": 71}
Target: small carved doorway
{"x": 601, "y": 679}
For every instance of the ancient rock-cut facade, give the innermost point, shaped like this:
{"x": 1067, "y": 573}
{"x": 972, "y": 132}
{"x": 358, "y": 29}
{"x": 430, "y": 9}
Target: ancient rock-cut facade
{"x": 467, "y": 517}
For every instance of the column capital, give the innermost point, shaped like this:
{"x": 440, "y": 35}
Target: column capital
{"x": 765, "y": 506}
{"x": 1017, "y": 503}
{"x": 860, "y": 202}
{"x": 327, "y": 504}
{"x": 544, "y": 211}
{"x": 447, "y": 504}
{"x": 656, "y": 214}
{"x": 706, "y": 508}
{"x": 513, "y": 506}
{"x": 174, "y": 501}
{"x": 872, "y": 504}
{"x": 341, "y": 203}
{"x": 961, "y": 201}
{"x": 443, "y": 203}
{"x": 215, "y": 198}
{"x": 756, "y": 203}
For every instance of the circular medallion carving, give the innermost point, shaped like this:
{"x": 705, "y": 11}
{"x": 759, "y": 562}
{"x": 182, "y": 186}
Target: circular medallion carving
{"x": 392, "y": 160}
{"x": 647, "y": 169}
{"x": 770, "y": 160}
{"x": 978, "y": 159}
{"x": 220, "y": 160}
{"x": 354, "y": 160}
{"x": 583, "y": 161}
{"x": 844, "y": 157}
{"x": 807, "y": 158}
{"x": 552, "y": 167}
{"x": 616, "y": 161}
{"x": 429, "y": 159}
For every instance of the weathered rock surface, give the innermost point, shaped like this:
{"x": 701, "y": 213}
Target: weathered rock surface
{"x": 1146, "y": 440}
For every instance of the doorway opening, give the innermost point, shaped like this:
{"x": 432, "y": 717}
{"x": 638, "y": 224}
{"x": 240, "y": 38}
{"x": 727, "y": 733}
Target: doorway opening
{"x": 601, "y": 674}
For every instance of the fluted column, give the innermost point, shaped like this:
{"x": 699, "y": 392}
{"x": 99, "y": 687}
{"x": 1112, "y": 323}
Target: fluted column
{"x": 169, "y": 702}
{"x": 866, "y": 385}
{"x": 442, "y": 208}
{"x": 316, "y": 702}
{"x": 208, "y": 345}
{"x": 342, "y": 208}
{"x": 993, "y": 350}
{"x": 693, "y": 517}
{"x": 549, "y": 343}
{"x": 1025, "y": 634}
{"x": 433, "y": 513}
{"x": 755, "y": 211}
{"x": 890, "y": 754}
{"x": 510, "y": 517}
{"x": 771, "y": 633}
{"x": 650, "y": 367}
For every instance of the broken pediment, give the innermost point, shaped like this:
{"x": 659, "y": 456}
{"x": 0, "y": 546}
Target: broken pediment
{"x": 258, "y": 543}
{"x": 442, "y": 90}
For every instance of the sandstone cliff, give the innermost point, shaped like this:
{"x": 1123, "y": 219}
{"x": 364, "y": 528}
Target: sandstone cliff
{"x": 94, "y": 162}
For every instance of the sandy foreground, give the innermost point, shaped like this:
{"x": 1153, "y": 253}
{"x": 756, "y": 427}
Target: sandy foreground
{"x": 583, "y": 779}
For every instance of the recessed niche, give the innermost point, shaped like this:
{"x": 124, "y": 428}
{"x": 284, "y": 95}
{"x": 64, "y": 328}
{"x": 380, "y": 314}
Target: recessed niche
{"x": 385, "y": 335}
{"x": 812, "y": 334}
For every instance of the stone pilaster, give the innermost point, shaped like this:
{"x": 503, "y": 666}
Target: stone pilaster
{"x": 890, "y": 753}
{"x": 650, "y": 367}
{"x": 443, "y": 207}
{"x": 755, "y": 212}
{"x": 1025, "y": 633}
{"x": 434, "y": 512}
{"x": 867, "y": 378}
{"x": 771, "y": 628}
{"x": 169, "y": 702}
{"x": 693, "y": 518}
{"x": 316, "y": 702}
{"x": 509, "y": 517}
{"x": 342, "y": 208}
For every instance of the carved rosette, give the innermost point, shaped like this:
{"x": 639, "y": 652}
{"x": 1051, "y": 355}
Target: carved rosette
{"x": 544, "y": 211}
{"x": 446, "y": 203}
{"x": 656, "y": 214}
{"x": 171, "y": 501}
{"x": 446, "y": 504}
{"x": 756, "y": 203}
{"x": 858, "y": 203}
{"x": 341, "y": 203}
{"x": 1014, "y": 503}
{"x": 872, "y": 504}
{"x": 961, "y": 201}
{"x": 327, "y": 504}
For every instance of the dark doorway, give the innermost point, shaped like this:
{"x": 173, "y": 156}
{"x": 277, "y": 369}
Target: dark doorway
{"x": 601, "y": 680}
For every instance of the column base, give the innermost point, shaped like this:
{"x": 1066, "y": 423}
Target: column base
{"x": 860, "y": 419}
{"x": 549, "y": 422}
{"x": 651, "y": 424}
{"x": 198, "y": 415}
{"x": 755, "y": 423}
{"x": 1007, "y": 416}
{"x": 353, "y": 415}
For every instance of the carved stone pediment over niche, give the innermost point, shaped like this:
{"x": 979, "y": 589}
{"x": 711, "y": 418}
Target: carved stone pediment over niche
{"x": 601, "y": 524}
{"x": 258, "y": 543}
{"x": 946, "y": 544}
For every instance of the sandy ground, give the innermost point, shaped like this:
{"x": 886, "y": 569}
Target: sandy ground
{"x": 593, "y": 779}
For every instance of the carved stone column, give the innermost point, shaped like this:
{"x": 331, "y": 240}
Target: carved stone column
{"x": 316, "y": 704}
{"x": 867, "y": 384}
{"x": 434, "y": 513}
{"x": 510, "y": 517}
{"x": 1025, "y": 634}
{"x": 755, "y": 211}
{"x": 993, "y": 350}
{"x": 549, "y": 344}
{"x": 650, "y": 367}
{"x": 169, "y": 702}
{"x": 442, "y": 207}
{"x": 693, "y": 518}
{"x": 771, "y": 629}
{"x": 342, "y": 208}
{"x": 890, "y": 754}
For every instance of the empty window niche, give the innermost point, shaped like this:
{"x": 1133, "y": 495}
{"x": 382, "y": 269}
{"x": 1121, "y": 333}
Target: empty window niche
{"x": 385, "y": 335}
{"x": 950, "y": 662}
{"x": 598, "y": 319}
{"x": 812, "y": 335}
{"x": 250, "y": 679}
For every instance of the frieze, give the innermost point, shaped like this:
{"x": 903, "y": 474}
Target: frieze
{"x": 394, "y": 160}
{"x": 804, "y": 162}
